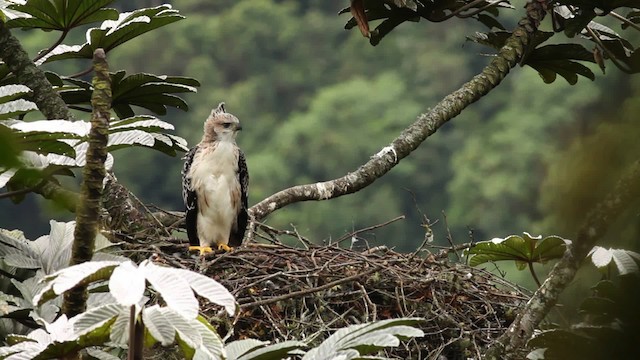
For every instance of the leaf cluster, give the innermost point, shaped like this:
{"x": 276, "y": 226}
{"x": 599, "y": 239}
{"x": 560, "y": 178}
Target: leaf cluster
{"x": 548, "y": 54}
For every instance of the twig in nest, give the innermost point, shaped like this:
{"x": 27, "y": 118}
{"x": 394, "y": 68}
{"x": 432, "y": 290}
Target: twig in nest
{"x": 369, "y": 228}
{"x": 307, "y": 291}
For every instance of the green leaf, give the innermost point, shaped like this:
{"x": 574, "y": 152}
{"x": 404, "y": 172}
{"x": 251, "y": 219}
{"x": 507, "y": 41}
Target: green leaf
{"x": 152, "y": 92}
{"x": 525, "y": 249}
{"x": 60, "y": 15}
{"x": 559, "y": 59}
{"x": 113, "y": 33}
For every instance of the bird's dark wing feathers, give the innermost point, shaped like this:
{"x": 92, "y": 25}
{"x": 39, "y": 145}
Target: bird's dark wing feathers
{"x": 237, "y": 234}
{"x": 190, "y": 199}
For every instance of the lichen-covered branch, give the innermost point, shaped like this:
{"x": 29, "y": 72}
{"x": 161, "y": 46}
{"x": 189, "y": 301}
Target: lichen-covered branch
{"x": 426, "y": 124}
{"x": 45, "y": 97}
{"x": 27, "y": 73}
{"x": 595, "y": 226}
{"x": 88, "y": 211}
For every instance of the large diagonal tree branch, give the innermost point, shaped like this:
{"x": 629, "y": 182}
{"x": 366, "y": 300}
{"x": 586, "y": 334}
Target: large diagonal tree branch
{"x": 425, "y": 125}
{"x": 45, "y": 97}
{"x": 27, "y": 73}
{"x": 594, "y": 227}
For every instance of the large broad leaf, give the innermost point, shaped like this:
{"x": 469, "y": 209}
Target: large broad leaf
{"x": 11, "y": 104}
{"x": 175, "y": 292}
{"x": 60, "y": 15}
{"x": 624, "y": 261}
{"x": 209, "y": 289}
{"x": 127, "y": 284}
{"x": 364, "y": 339}
{"x": 158, "y": 325}
{"x": 250, "y": 349}
{"x": 152, "y": 92}
{"x": 81, "y": 274}
{"x": 113, "y": 33}
{"x": 51, "y": 147}
{"x": 396, "y": 12}
{"x": 523, "y": 250}
{"x": 550, "y": 60}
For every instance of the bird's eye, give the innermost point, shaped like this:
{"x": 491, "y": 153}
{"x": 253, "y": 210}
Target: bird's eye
{"x": 226, "y": 125}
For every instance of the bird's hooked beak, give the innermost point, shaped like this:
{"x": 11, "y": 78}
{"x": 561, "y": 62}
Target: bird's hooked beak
{"x": 238, "y": 127}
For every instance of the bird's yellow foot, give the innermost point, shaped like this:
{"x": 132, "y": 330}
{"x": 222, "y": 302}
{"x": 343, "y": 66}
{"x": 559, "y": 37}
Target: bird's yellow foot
{"x": 224, "y": 247}
{"x": 202, "y": 249}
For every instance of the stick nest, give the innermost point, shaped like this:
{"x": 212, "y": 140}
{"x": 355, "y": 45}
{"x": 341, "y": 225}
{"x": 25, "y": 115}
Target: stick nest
{"x": 288, "y": 293}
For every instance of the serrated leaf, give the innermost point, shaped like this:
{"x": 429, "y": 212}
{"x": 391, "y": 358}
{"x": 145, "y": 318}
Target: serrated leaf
{"x": 11, "y": 92}
{"x": 13, "y": 108}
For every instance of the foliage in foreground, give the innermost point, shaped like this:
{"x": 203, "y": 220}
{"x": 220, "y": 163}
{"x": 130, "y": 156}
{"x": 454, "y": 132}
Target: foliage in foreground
{"x": 121, "y": 291}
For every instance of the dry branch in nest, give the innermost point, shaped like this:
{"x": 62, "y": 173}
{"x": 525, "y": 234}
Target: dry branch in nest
{"x": 285, "y": 293}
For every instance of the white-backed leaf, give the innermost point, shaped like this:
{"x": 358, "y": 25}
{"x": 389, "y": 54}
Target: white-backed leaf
{"x": 10, "y": 92}
{"x": 96, "y": 317}
{"x": 131, "y": 137}
{"x": 78, "y": 128}
{"x": 364, "y": 338}
{"x": 211, "y": 341}
{"x": 238, "y": 348}
{"x": 100, "y": 354}
{"x": 209, "y": 289}
{"x": 158, "y": 325}
{"x": 16, "y": 107}
{"x": 188, "y": 333}
{"x": 624, "y": 262}
{"x": 5, "y": 176}
{"x": 127, "y": 284}
{"x": 600, "y": 256}
{"x": 55, "y": 249}
{"x": 279, "y": 350}
{"x": 140, "y": 123}
{"x": 120, "y": 328}
{"x": 67, "y": 278}
{"x": 176, "y": 293}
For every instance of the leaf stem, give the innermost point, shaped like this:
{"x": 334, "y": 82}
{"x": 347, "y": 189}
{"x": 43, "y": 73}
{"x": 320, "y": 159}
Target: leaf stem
{"x": 533, "y": 273}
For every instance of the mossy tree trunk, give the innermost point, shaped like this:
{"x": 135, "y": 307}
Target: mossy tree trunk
{"x": 88, "y": 210}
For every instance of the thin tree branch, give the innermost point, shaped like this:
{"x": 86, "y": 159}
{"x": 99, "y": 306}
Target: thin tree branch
{"x": 88, "y": 213}
{"x": 426, "y": 124}
{"x": 594, "y": 227}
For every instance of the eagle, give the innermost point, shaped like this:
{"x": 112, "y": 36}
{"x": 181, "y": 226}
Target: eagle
{"x": 215, "y": 182}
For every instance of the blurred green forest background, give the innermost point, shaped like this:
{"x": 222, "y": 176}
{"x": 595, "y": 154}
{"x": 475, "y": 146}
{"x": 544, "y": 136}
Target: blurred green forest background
{"x": 316, "y": 101}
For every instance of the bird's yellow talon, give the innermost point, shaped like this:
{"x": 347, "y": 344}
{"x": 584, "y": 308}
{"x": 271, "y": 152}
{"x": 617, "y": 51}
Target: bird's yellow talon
{"x": 202, "y": 249}
{"x": 224, "y": 247}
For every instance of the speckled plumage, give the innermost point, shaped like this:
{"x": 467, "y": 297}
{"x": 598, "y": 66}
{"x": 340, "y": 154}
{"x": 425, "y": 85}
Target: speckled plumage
{"x": 215, "y": 182}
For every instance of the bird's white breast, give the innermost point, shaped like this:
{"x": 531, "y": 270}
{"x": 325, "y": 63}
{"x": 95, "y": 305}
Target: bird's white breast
{"x": 214, "y": 178}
